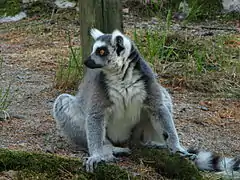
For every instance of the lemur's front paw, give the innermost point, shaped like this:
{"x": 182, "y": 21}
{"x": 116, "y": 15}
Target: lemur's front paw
{"x": 182, "y": 151}
{"x": 91, "y": 162}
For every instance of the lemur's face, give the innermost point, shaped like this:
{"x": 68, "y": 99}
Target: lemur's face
{"x": 109, "y": 51}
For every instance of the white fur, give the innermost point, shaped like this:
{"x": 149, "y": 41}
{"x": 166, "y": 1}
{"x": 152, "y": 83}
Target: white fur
{"x": 98, "y": 44}
{"x": 202, "y": 160}
{"x": 126, "y": 42}
{"x": 126, "y": 96}
{"x": 95, "y": 33}
{"x": 226, "y": 164}
{"x": 119, "y": 61}
{"x": 125, "y": 112}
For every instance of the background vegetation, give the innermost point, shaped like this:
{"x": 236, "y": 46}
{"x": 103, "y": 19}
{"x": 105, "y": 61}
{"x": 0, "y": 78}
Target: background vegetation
{"x": 208, "y": 64}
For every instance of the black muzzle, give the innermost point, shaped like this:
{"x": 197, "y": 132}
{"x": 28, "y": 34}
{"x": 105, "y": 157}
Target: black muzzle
{"x": 91, "y": 63}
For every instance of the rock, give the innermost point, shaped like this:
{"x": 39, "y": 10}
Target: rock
{"x": 28, "y": 1}
{"x": 4, "y": 115}
{"x": 179, "y": 16}
{"x": 6, "y": 175}
{"x": 126, "y": 10}
{"x": 231, "y": 6}
{"x": 64, "y": 4}
{"x": 17, "y": 17}
{"x": 203, "y": 108}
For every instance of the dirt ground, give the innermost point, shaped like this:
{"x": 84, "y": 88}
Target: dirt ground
{"x": 31, "y": 50}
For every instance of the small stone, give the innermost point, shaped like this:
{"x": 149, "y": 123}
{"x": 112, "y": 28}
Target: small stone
{"x": 6, "y": 175}
{"x": 183, "y": 110}
{"x": 203, "y": 108}
{"x": 176, "y": 27}
{"x": 50, "y": 150}
{"x": 4, "y": 115}
{"x": 126, "y": 10}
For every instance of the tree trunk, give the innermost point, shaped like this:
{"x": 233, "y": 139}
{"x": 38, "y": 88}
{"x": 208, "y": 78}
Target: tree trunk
{"x": 105, "y": 15}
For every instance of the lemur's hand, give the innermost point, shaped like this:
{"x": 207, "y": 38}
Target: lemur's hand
{"x": 91, "y": 162}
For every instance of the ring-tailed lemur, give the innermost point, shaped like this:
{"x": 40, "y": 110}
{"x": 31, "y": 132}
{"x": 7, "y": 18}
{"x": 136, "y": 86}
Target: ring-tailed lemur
{"x": 120, "y": 100}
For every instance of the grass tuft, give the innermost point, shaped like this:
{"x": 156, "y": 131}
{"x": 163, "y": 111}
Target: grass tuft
{"x": 9, "y": 7}
{"x": 195, "y": 10}
{"x": 68, "y": 75}
{"x": 208, "y": 64}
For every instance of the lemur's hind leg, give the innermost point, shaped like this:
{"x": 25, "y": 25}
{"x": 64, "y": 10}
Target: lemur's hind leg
{"x": 145, "y": 135}
{"x": 70, "y": 119}
{"x": 163, "y": 120}
{"x": 152, "y": 138}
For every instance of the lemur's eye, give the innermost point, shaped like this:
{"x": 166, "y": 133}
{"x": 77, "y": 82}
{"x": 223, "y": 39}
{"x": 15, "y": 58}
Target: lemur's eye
{"x": 102, "y": 51}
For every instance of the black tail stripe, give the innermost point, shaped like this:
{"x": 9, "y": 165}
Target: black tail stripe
{"x": 236, "y": 165}
{"x": 215, "y": 162}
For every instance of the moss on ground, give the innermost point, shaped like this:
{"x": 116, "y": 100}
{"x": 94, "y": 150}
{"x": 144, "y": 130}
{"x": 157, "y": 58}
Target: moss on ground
{"x": 169, "y": 165}
{"x": 46, "y": 166}
{"x": 38, "y": 8}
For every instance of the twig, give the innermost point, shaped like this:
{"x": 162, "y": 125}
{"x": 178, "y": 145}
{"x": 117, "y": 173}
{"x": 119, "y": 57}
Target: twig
{"x": 6, "y": 115}
{"x": 210, "y": 27}
{"x": 53, "y": 11}
{"x": 177, "y": 49}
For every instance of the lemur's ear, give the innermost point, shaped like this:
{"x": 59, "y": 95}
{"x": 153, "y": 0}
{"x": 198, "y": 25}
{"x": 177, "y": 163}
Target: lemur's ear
{"x": 95, "y": 33}
{"x": 118, "y": 40}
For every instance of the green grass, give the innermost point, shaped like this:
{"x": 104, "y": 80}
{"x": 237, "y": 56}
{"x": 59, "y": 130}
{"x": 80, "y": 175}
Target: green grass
{"x": 69, "y": 75}
{"x": 198, "y": 10}
{"x": 205, "y": 64}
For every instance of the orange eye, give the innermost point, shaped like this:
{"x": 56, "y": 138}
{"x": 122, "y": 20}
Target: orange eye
{"x": 101, "y": 52}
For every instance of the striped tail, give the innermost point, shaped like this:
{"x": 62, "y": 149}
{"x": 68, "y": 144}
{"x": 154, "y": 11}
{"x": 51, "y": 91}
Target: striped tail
{"x": 212, "y": 162}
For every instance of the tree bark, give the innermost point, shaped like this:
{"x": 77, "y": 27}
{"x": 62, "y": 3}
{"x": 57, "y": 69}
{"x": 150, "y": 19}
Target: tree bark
{"x": 105, "y": 15}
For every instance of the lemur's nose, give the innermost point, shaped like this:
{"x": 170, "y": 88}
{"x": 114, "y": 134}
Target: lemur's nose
{"x": 90, "y": 63}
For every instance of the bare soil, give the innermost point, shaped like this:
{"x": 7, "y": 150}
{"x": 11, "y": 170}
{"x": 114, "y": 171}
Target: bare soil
{"x": 31, "y": 50}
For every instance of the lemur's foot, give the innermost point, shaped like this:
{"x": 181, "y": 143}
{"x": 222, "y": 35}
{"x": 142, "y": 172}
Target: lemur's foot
{"x": 154, "y": 145}
{"x": 187, "y": 155}
{"x": 91, "y": 162}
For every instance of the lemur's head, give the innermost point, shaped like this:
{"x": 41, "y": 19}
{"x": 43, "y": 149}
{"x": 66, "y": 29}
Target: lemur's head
{"x": 109, "y": 51}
